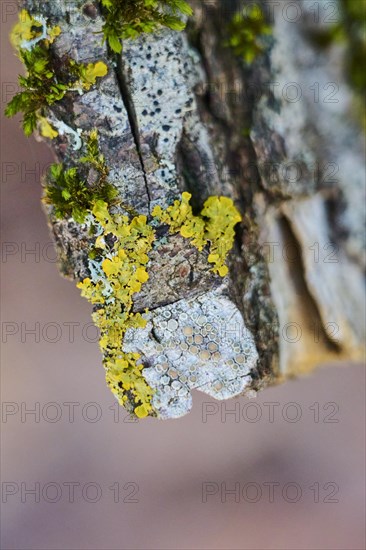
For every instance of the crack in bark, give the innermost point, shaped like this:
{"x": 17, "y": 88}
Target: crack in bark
{"x": 126, "y": 96}
{"x": 131, "y": 113}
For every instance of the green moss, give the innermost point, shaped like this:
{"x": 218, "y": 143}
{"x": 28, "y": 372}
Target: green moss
{"x": 246, "y": 32}
{"x": 68, "y": 191}
{"x": 129, "y": 18}
{"x": 44, "y": 84}
{"x": 95, "y": 158}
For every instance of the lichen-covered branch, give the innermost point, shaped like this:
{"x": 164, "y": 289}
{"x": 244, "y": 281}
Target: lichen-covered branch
{"x": 170, "y": 185}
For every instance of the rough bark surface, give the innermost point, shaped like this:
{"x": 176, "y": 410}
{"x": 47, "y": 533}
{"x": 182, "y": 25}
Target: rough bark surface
{"x": 170, "y": 116}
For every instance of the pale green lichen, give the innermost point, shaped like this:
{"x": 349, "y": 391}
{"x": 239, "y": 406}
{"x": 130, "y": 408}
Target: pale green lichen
{"x": 45, "y": 82}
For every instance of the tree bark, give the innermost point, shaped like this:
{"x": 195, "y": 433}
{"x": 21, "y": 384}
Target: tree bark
{"x": 176, "y": 113}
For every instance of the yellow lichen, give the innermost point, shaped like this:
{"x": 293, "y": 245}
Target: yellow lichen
{"x": 118, "y": 271}
{"x": 92, "y": 72}
{"x": 123, "y": 266}
{"x": 46, "y": 129}
{"x": 221, "y": 217}
{"x": 30, "y": 28}
{"x": 53, "y": 33}
{"x": 27, "y": 28}
{"x": 88, "y": 74}
{"x": 213, "y": 227}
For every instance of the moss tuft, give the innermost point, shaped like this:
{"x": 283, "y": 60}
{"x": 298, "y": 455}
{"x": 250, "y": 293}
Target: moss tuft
{"x": 246, "y": 32}
{"x": 68, "y": 191}
{"x": 129, "y": 18}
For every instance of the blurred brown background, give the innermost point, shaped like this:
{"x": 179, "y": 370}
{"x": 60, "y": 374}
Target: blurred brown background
{"x": 295, "y": 454}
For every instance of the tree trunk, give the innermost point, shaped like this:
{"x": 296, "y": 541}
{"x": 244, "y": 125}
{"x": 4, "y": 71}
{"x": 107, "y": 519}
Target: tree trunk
{"x": 178, "y": 111}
